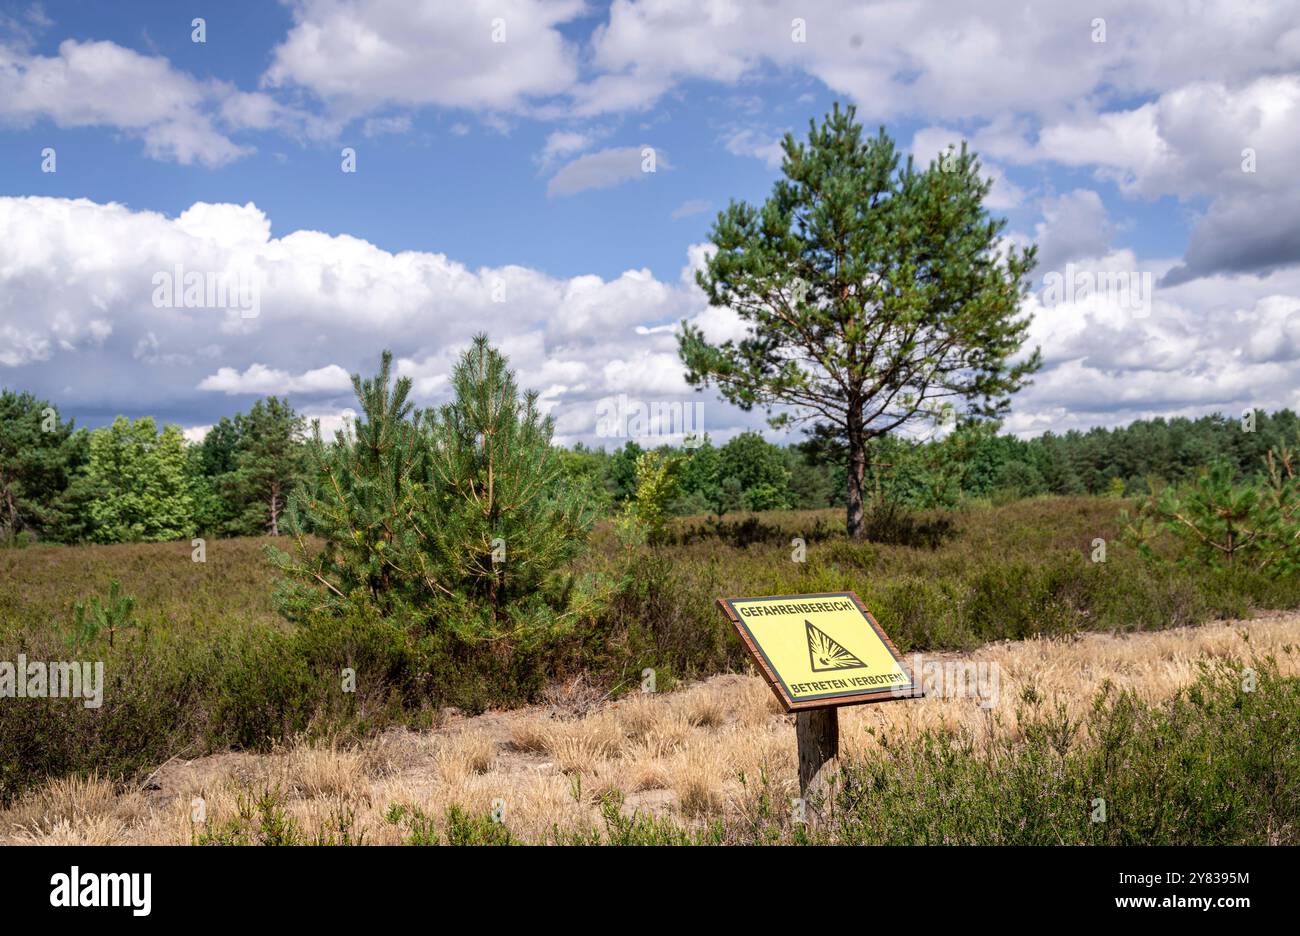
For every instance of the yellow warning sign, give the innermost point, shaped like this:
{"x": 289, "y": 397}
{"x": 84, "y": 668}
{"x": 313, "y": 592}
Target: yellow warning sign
{"x": 820, "y": 650}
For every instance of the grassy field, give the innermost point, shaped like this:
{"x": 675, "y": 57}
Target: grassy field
{"x": 1154, "y": 723}
{"x": 212, "y": 667}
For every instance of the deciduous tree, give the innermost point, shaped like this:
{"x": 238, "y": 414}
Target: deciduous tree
{"x": 141, "y": 475}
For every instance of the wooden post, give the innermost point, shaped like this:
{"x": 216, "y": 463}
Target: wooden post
{"x": 818, "y": 734}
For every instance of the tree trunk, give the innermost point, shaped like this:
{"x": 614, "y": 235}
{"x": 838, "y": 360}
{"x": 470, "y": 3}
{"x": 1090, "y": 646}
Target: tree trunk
{"x": 857, "y": 483}
{"x": 13, "y": 510}
{"x": 275, "y": 509}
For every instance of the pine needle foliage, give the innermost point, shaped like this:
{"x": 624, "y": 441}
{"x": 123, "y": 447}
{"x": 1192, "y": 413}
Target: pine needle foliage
{"x": 456, "y": 520}
{"x": 876, "y": 295}
{"x": 1219, "y": 519}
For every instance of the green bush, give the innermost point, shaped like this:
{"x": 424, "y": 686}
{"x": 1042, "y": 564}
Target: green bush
{"x": 1217, "y": 520}
{"x": 1214, "y": 766}
{"x": 895, "y": 525}
{"x": 457, "y": 520}
{"x": 645, "y": 513}
{"x": 460, "y": 827}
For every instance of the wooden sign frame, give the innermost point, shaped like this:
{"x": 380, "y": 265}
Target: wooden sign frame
{"x": 848, "y": 698}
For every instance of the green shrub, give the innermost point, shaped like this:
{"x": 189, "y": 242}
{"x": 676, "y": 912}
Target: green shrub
{"x": 645, "y": 513}
{"x": 1216, "y": 520}
{"x": 895, "y": 525}
{"x": 459, "y": 826}
{"x": 641, "y": 829}
{"x": 456, "y": 520}
{"x": 262, "y": 691}
{"x": 1213, "y": 766}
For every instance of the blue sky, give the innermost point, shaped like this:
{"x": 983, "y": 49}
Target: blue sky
{"x": 445, "y": 183}
{"x": 515, "y": 166}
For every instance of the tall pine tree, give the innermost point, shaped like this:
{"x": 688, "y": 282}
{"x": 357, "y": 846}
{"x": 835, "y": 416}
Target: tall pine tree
{"x": 874, "y": 294}
{"x": 267, "y": 460}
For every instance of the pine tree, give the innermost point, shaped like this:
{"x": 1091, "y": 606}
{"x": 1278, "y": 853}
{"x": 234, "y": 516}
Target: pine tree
{"x": 358, "y": 495}
{"x": 874, "y": 295}
{"x": 457, "y": 519}
{"x": 37, "y": 459}
{"x": 505, "y": 519}
{"x": 267, "y": 462}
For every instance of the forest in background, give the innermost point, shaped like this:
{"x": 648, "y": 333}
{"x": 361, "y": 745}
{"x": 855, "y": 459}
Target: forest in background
{"x": 135, "y": 482}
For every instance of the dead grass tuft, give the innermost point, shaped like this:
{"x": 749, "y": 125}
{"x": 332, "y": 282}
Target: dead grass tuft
{"x": 324, "y": 772}
{"x": 531, "y": 736}
{"x": 696, "y": 778}
{"x": 464, "y": 755}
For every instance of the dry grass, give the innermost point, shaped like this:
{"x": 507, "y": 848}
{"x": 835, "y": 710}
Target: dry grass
{"x": 463, "y": 756}
{"x": 317, "y": 773}
{"x": 682, "y": 753}
{"x": 74, "y": 810}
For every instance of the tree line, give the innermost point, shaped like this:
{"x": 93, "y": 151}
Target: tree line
{"x": 132, "y": 481}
